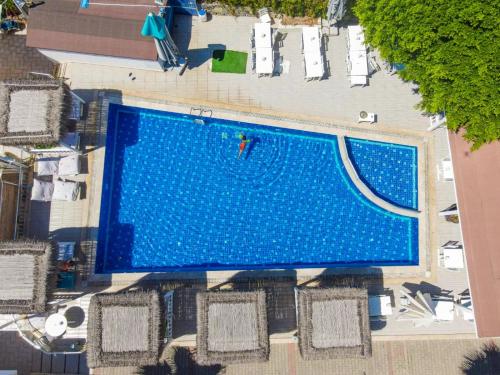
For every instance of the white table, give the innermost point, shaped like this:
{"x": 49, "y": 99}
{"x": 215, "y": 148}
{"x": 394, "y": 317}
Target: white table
{"x": 453, "y": 258}
{"x": 264, "y": 60}
{"x": 56, "y": 325}
{"x": 356, "y": 38}
{"x": 444, "y": 310}
{"x": 262, "y": 35}
{"x": 311, "y": 39}
{"x": 379, "y": 305}
{"x": 315, "y": 68}
{"x": 447, "y": 169}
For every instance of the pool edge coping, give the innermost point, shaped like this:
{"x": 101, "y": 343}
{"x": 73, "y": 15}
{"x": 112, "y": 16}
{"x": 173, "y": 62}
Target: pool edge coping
{"x": 422, "y": 271}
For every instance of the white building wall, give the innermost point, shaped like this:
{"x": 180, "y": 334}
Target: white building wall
{"x": 62, "y": 57}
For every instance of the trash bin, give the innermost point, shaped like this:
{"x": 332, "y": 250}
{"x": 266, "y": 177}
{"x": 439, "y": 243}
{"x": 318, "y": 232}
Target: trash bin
{"x": 202, "y": 13}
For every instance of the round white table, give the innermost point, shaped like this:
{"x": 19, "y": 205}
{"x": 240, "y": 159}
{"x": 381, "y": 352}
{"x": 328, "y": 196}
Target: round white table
{"x": 56, "y": 325}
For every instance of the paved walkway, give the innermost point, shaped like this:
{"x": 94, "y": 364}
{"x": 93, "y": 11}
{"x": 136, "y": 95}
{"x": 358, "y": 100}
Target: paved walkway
{"x": 18, "y": 60}
{"x": 288, "y": 94}
{"x": 439, "y": 357}
{"x": 389, "y": 358}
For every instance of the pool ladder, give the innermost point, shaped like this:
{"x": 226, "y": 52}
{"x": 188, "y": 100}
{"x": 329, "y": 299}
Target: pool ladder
{"x": 201, "y": 112}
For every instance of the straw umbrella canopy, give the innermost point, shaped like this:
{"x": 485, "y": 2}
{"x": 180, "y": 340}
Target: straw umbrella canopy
{"x": 124, "y": 329}
{"x": 333, "y": 323}
{"x": 232, "y": 327}
{"x": 33, "y": 111}
{"x": 25, "y": 269}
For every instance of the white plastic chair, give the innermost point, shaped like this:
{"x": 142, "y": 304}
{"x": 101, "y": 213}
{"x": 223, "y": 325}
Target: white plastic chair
{"x": 435, "y": 121}
{"x": 264, "y": 15}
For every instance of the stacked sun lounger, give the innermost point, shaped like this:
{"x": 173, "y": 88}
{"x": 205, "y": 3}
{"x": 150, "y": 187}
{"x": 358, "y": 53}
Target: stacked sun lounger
{"x": 59, "y": 188}
{"x": 357, "y": 63}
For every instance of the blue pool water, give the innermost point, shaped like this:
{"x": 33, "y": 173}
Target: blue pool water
{"x": 389, "y": 170}
{"x": 176, "y": 197}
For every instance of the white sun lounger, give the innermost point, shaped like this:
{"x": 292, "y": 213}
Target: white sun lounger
{"x": 66, "y": 190}
{"x": 47, "y": 167}
{"x": 451, "y": 258}
{"x": 59, "y": 190}
{"x": 67, "y": 166}
{"x": 42, "y": 190}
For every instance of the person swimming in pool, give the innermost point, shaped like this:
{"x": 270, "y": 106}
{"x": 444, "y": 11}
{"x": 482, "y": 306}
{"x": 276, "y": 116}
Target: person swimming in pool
{"x": 243, "y": 144}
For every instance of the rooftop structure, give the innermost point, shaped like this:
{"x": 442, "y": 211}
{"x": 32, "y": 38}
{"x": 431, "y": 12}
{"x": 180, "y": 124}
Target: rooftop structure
{"x": 333, "y": 323}
{"x": 33, "y": 111}
{"x": 124, "y": 329}
{"x": 25, "y": 269}
{"x": 477, "y": 176}
{"x": 232, "y": 327}
{"x": 110, "y": 30}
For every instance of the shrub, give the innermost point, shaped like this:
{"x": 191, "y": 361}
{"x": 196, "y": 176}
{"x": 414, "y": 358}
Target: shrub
{"x": 293, "y": 8}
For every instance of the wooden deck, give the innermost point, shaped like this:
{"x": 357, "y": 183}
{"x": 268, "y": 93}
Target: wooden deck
{"x": 19, "y": 355}
{"x": 8, "y": 202}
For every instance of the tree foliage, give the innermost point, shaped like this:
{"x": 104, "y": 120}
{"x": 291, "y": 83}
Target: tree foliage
{"x": 451, "y": 49}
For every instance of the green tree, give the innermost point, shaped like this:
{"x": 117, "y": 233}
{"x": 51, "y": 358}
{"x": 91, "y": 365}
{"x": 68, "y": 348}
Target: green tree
{"x": 451, "y": 49}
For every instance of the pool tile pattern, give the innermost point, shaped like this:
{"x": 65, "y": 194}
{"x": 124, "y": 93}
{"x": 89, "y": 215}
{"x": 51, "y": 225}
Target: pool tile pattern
{"x": 177, "y": 197}
{"x": 389, "y": 170}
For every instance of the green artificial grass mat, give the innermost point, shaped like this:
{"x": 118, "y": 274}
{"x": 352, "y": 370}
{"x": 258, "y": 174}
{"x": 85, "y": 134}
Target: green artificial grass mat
{"x": 225, "y": 61}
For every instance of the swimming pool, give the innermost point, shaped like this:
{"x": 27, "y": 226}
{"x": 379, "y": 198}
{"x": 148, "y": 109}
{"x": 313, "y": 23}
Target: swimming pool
{"x": 176, "y": 197}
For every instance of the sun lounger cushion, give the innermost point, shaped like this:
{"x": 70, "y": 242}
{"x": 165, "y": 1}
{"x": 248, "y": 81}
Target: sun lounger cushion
{"x": 65, "y": 190}
{"x": 69, "y": 165}
{"x": 47, "y": 167}
{"x": 42, "y": 190}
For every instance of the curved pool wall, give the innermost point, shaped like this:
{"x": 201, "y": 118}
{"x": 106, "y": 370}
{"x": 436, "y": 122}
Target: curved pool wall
{"x": 177, "y": 198}
{"x": 389, "y": 170}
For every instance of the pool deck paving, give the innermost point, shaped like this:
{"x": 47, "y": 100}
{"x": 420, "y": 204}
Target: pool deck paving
{"x": 329, "y": 106}
{"x": 287, "y": 94}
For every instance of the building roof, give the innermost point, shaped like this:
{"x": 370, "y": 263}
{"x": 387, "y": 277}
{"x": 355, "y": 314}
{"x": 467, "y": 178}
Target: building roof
{"x": 231, "y": 327}
{"x": 124, "y": 329}
{"x": 108, "y": 30}
{"x": 25, "y": 267}
{"x": 477, "y": 178}
{"x": 333, "y": 323}
{"x": 33, "y": 111}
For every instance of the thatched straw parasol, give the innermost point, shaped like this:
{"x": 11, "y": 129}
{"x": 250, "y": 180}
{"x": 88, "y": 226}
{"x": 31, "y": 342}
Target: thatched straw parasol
{"x": 33, "y": 111}
{"x": 25, "y": 267}
{"x": 232, "y": 327}
{"x": 333, "y": 323}
{"x": 124, "y": 329}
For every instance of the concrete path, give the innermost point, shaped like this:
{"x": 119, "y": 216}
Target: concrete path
{"x": 389, "y": 358}
{"x": 436, "y": 357}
